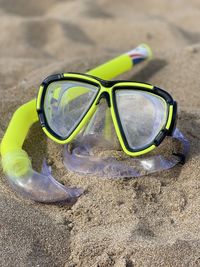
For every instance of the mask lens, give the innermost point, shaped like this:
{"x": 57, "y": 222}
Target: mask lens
{"x": 142, "y": 116}
{"x": 66, "y": 103}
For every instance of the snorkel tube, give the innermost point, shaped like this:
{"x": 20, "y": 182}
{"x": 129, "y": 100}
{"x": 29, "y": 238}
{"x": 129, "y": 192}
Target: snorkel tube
{"x": 16, "y": 163}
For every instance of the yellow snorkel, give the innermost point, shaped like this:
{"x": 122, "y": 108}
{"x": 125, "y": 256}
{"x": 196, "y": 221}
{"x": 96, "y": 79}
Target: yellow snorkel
{"x": 16, "y": 164}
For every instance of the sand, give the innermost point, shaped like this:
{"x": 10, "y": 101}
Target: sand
{"x": 149, "y": 221}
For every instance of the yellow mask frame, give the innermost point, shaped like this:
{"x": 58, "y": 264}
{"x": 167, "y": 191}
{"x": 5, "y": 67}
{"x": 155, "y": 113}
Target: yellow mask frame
{"x": 107, "y": 89}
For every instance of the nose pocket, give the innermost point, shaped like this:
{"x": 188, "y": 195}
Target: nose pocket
{"x": 101, "y": 125}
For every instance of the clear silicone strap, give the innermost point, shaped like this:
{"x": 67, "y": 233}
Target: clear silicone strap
{"x": 80, "y": 158}
{"x": 160, "y": 162}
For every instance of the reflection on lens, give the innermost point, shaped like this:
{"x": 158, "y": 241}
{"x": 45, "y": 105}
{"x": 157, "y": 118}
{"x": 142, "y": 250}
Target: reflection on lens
{"x": 142, "y": 116}
{"x": 66, "y": 103}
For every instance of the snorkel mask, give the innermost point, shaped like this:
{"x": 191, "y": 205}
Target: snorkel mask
{"x": 88, "y": 112}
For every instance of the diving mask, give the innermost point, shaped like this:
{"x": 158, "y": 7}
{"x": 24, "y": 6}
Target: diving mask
{"x": 142, "y": 116}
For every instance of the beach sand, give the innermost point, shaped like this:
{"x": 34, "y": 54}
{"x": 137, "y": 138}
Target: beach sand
{"x": 149, "y": 221}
